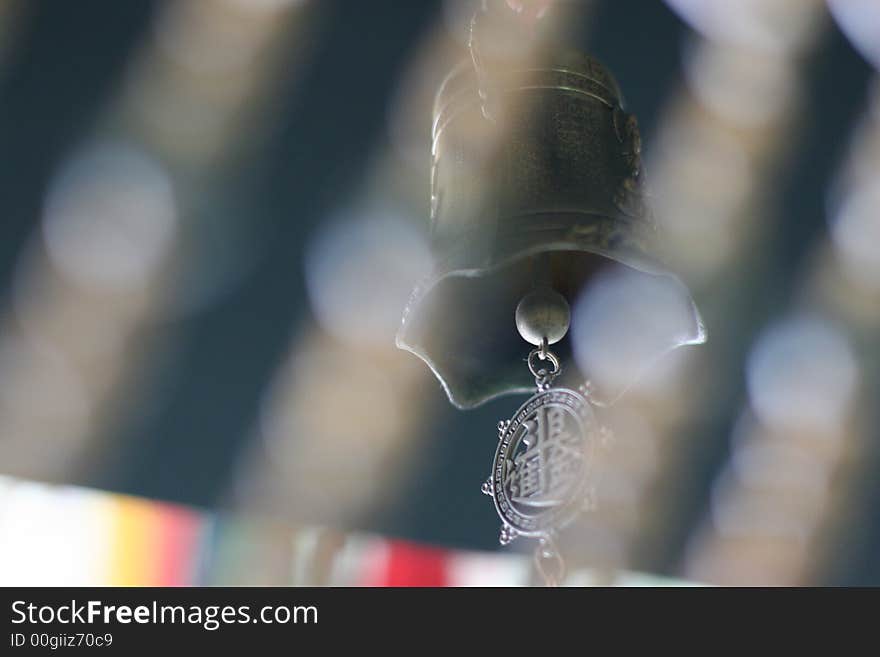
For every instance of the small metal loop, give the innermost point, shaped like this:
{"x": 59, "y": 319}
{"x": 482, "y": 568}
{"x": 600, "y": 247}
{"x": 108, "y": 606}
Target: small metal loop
{"x": 542, "y": 372}
{"x": 544, "y": 349}
{"x": 549, "y": 562}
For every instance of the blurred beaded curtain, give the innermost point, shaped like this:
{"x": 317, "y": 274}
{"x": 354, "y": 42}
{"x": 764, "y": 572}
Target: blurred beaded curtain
{"x": 212, "y": 211}
{"x": 132, "y": 236}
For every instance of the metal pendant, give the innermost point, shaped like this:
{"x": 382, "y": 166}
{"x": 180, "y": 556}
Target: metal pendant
{"x": 540, "y": 477}
{"x": 540, "y": 473}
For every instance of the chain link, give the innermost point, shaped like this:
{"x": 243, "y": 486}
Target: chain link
{"x": 549, "y": 562}
{"x": 543, "y": 376}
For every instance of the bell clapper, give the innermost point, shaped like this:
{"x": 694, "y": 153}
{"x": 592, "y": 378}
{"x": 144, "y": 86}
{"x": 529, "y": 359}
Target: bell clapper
{"x": 543, "y": 315}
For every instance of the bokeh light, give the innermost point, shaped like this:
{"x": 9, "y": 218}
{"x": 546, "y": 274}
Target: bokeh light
{"x": 359, "y": 274}
{"x": 110, "y": 217}
{"x": 626, "y": 320}
{"x": 802, "y": 375}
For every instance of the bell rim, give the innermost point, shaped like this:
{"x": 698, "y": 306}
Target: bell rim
{"x": 644, "y": 264}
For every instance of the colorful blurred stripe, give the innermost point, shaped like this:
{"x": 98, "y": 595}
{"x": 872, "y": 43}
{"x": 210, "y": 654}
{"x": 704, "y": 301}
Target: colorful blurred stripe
{"x": 71, "y": 536}
{"x": 153, "y": 544}
{"x": 67, "y": 536}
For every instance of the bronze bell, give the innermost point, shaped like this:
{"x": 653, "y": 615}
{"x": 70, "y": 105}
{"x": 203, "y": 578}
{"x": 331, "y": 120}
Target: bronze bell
{"x": 536, "y": 179}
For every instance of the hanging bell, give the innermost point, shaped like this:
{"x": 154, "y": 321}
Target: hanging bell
{"x": 536, "y": 183}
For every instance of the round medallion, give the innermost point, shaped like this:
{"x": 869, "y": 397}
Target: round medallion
{"x": 540, "y": 473}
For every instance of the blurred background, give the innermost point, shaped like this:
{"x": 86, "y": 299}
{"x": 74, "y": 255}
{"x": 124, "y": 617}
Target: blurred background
{"x": 212, "y": 213}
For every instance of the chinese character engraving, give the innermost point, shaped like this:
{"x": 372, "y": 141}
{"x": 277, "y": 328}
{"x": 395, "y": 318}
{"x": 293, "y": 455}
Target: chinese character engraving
{"x": 543, "y": 473}
{"x": 540, "y": 474}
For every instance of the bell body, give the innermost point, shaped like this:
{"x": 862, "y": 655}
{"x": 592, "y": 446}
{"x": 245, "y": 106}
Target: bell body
{"x": 536, "y": 180}
{"x": 556, "y": 158}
